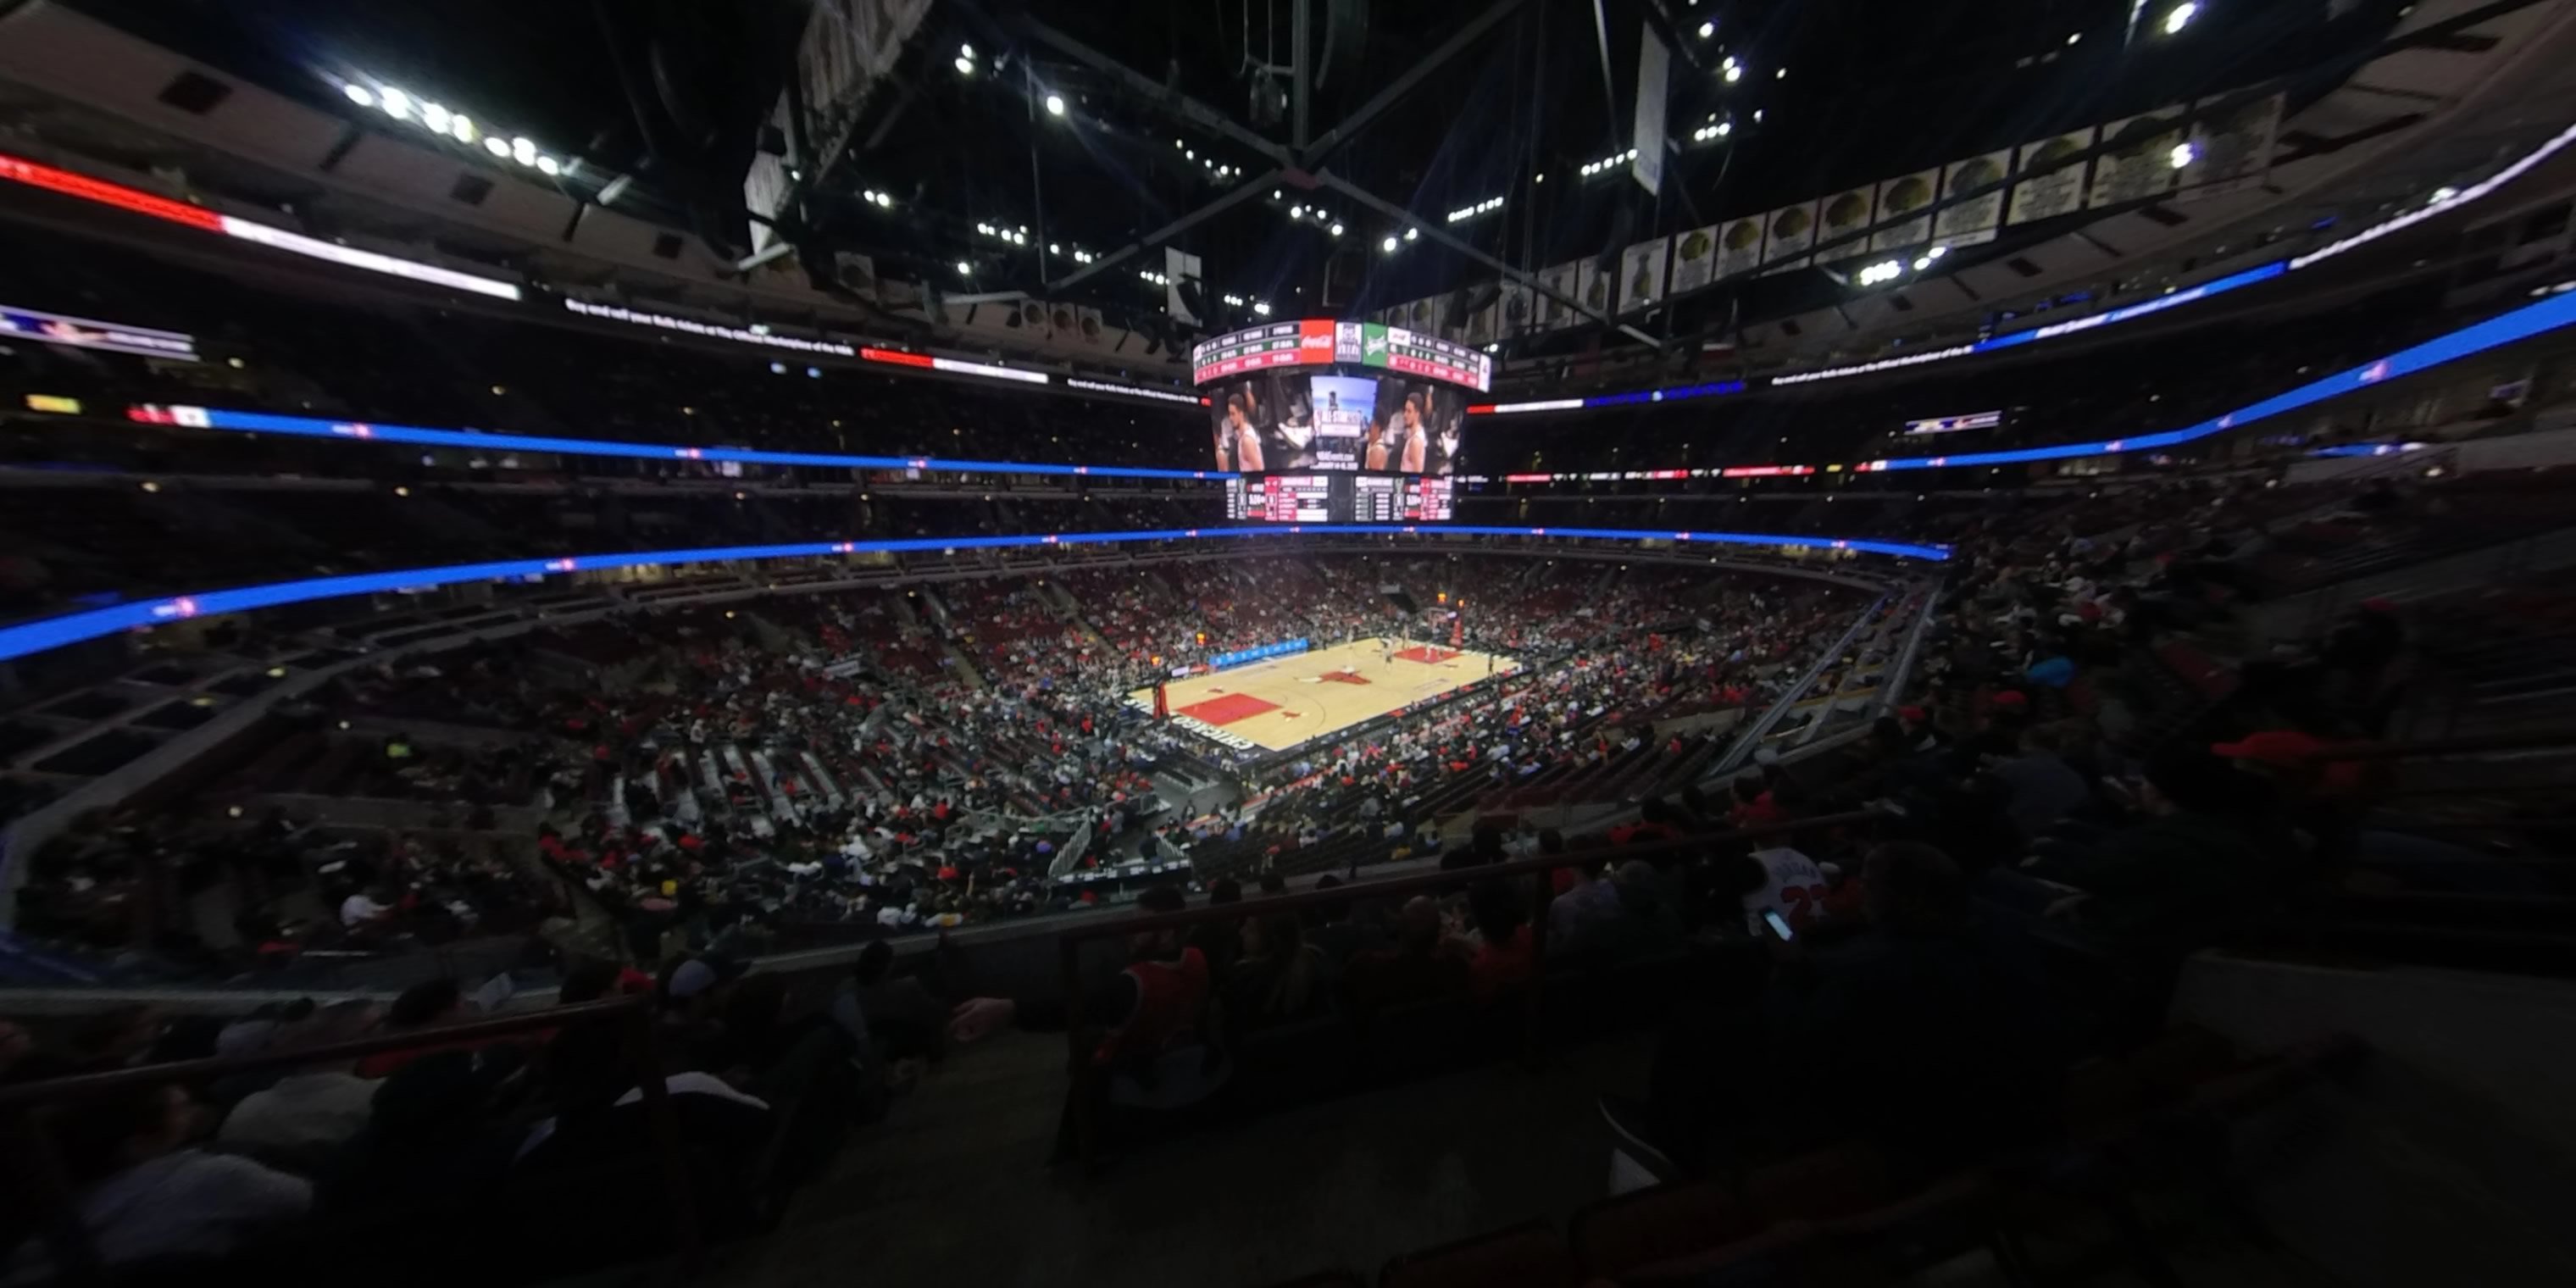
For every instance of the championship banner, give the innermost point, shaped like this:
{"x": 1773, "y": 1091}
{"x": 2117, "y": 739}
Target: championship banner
{"x": 2233, "y": 150}
{"x": 1739, "y": 245}
{"x": 1596, "y": 287}
{"x": 1791, "y": 230}
{"x": 1484, "y": 325}
{"x": 1904, "y": 195}
{"x": 1563, "y": 283}
{"x": 1641, "y": 275}
{"x": 1841, "y": 215}
{"x": 2045, "y": 193}
{"x": 1973, "y": 221}
{"x": 2139, "y": 164}
{"x": 1088, "y": 325}
{"x": 1520, "y": 310}
{"x": 1695, "y": 259}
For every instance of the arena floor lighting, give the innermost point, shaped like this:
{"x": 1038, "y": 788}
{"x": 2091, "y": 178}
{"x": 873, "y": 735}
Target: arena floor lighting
{"x": 73, "y": 628}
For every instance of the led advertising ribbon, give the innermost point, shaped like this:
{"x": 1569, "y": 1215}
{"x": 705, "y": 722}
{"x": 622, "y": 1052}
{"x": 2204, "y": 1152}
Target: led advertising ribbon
{"x": 73, "y": 628}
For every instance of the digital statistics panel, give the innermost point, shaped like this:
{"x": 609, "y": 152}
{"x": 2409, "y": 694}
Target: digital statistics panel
{"x": 1339, "y": 498}
{"x": 1324, "y": 342}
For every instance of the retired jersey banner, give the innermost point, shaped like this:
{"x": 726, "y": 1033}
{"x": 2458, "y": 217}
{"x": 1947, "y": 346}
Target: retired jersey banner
{"x": 1843, "y": 214}
{"x": 1790, "y": 231}
{"x": 2232, "y": 151}
{"x": 1902, "y": 196}
{"x": 1973, "y": 221}
{"x": 2048, "y": 187}
{"x": 1739, "y": 245}
{"x": 2139, "y": 161}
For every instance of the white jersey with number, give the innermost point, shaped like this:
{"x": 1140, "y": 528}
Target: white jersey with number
{"x": 1796, "y": 887}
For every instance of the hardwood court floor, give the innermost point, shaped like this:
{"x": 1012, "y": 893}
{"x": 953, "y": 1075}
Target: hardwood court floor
{"x": 1285, "y": 701}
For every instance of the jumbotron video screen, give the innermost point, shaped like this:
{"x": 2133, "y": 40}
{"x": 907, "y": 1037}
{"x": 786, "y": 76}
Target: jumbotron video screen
{"x": 1338, "y": 421}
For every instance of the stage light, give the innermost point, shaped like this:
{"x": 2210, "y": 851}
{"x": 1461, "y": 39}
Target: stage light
{"x": 549, "y": 166}
{"x": 2182, "y": 155}
{"x": 1707, "y": 29}
{"x": 2074, "y": 37}
{"x": 1055, "y": 104}
{"x": 2180, "y": 16}
{"x": 1296, "y": 212}
{"x": 359, "y": 94}
{"x": 396, "y": 103}
{"x": 1937, "y": 251}
{"x": 1337, "y": 230}
{"x": 1782, "y": 74}
{"x": 965, "y": 269}
{"x": 1411, "y": 233}
{"x": 523, "y": 151}
{"x": 1725, "y": 128}
{"x": 1922, "y": 262}
{"x": 496, "y": 145}
{"x": 435, "y": 117}
{"x": 965, "y": 66}
{"x": 965, "y": 51}
{"x": 1734, "y": 74}
{"x": 1388, "y": 245}
{"x": 1261, "y": 307}
{"x": 462, "y": 128}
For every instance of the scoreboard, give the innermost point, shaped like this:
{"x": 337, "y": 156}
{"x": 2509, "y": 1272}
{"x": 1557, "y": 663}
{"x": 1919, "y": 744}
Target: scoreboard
{"x": 1315, "y": 342}
{"x": 1339, "y": 497}
{"x": 1283, "y": 498}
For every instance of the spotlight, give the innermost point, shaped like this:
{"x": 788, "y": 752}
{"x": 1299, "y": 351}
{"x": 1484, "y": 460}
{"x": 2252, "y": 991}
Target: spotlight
{"x": 1388, "y": 245}
{"x": 2074, "y": 37}
{"x": 1937, "y": 252}
{"x": 1725, "y": 128}
{"x": 435, "y": 117}
{"x": 396, "y": 103}
{"x": 1055, "y": 104}
{"x": 2444, "y": 193}
{"x": 1337, "y": 230}
{"x": 496, "y": 145}
{"x": 965, "y": 269}
{"x": 2180, "y": 16}
{"x": 1734, "y": 74}
{"x": 2183, "y": 155}
{"x": 523, "y": 151}
{"x": 462, "y": 127}
{"x": 359, "y": 94}
{"x": 965, "y": 66}
{"x": 1296, "y": 212}
{"x": 1707, "y": 29}
{"x": 966, "y": 51}
{"x": 1411, "y": 233}
{"x": 1922, "y": 262}
{"x": 549, "y": 166}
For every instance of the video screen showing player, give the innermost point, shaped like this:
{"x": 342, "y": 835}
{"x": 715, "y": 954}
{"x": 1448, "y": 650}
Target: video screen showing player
{"x": 1270, "y": 421}
{"x": 1264, "y": 422}
{"x": 1416, "y": 428}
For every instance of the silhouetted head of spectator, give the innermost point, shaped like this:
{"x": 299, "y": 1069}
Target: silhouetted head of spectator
{"x": 425, "y": 1003}
{"x": 1155, "y": 900}
{"x": 1911, "y": 888}
{"x": 2189, "y": 778}
{"x": 587, "y": 982}
{"x": 1417, "y": 927}
{"x": 1551, "y": 842}
{"x": 1495, "y": 908}
{"x": 874, "y": 961}
{"x": 1273, "y": 883}
{"x": 1224, "y": 890}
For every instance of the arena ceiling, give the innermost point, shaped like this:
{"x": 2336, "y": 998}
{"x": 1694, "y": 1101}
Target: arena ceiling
{"x": 1181, "y": 119}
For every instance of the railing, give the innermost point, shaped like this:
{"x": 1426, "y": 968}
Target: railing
{"x": 1751, "y": 739}
{"x": 1069, "y": 942}
{"x": 30, "y": 1134}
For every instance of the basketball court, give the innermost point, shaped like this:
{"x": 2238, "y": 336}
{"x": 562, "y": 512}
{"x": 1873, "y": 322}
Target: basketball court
{"x": 1284, "y": 701}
